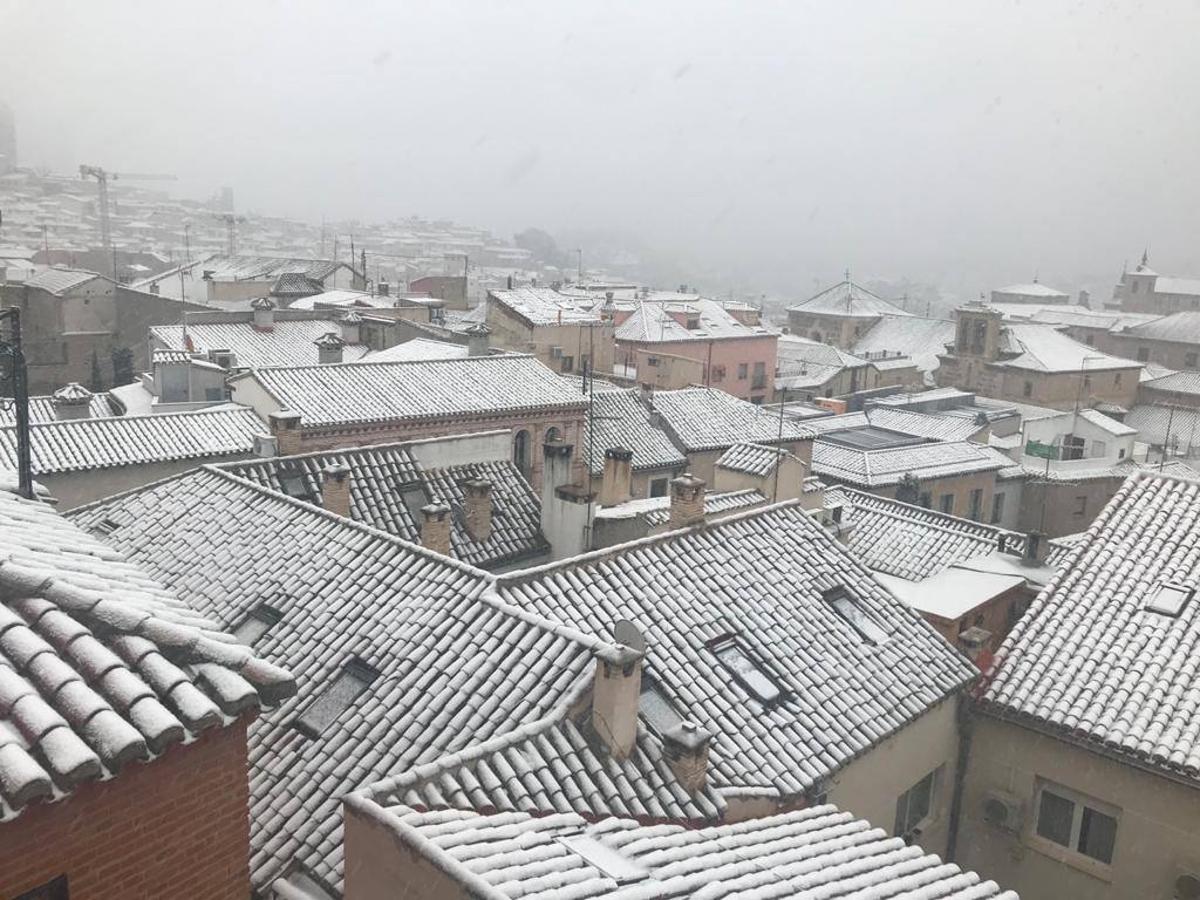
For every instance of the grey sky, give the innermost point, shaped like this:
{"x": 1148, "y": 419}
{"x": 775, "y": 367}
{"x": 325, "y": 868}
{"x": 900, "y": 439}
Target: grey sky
{"x": 964, "y": 142}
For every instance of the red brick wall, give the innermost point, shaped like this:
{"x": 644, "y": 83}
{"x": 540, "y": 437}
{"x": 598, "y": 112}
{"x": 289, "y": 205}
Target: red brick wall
{"x": 175, "y": 827}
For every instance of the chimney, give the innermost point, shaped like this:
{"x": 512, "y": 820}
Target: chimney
{"x": 264, "y": 314}
{"x": 1037, "y": 549}
{"x": 616, "y": 690}
{"x": 477, "y": 339}
{"x": 265, "y": 446}
{"x": 975, "y": 642}
{"x": 385, "y": 289}
{"x": 329, "y": 348}
{"x": 285, "y": 428}
{"x": 687, "y": 501}
{"x": 617, "y": 484}
{"x": 154, "y": 288}
{"x": 351, "y": 330}
{"x": 73, "y": 401}
{"x": 335, "y": 489}
{"x": 686, "y": 748}
{"x": 509, "y": 283}
{"x": 435, "y": 529}
{"x": 1002, "y": 542}
{"x": 478, "y": 512}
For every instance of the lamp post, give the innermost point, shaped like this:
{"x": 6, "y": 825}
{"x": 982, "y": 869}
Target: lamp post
{"x": 10, "y": 350}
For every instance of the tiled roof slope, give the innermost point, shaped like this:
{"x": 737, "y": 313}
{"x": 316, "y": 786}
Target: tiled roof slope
{"x": 41, "y": 409}
{"x": 100, "y": 665}
{"x": 715, "y": 503}
{"x": 913, "y": 336}
{"x": 654, "y": 323}
{"x": 938, "y": 428}
{"x": 1180, "y": 327}
{"x": 379, "y": 473}
{"x": 427, "y": 389}
{"x": 706, "y": 419}
{"x": 59, "y": 281}
{"x": 545, "y": 306}
{"x": 878, "y": 468}
{"x": 819, "y": 853}
{"x": 848, "y": 299}
{"x": 753, "y": 459}
{"x": 82, "y": 444}
{"x": 344, "y": 590}
{"x": 761, "y": 576}
{"x": 620, "y": 419}
{"x": 1175, "y": 383}
{"x": 1043, "y": 348}
{"x": 288, "y": 343}
{"x": 1088, "y": 661}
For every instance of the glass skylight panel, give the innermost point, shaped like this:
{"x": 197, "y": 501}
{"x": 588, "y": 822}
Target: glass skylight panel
{"x": 414, "y": 498}
{"x": 1169, "y": 599}
{"x": 257, "y": 623}
{"x": 351, "y": 682}
{"x": 613, "y": 863}
{"x": 294, "y": 484}
{"x": 855, "y": 616}
{"x": 657, "y": 710}
{"x": 747, "y": 672}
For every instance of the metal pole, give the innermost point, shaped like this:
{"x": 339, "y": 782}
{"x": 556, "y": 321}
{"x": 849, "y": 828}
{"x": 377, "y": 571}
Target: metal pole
{"x": 779, "y": 462}
{"x": 1167, "y": 437}
{"x": 12, "y": 349}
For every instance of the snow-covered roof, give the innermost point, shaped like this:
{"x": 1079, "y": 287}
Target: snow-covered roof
{"x": 544, "y": 306}
{"x": 706, "y": 419}
{"x": 622, "y": 419}
{"x": 653, "y": 323}
{"x": 1180, "y": 327}
{"x": 1155, "y": 422}
{"x": 848, "y": 300}
{"x": 42, "y": 409}
{"x": 1106, "y": 423}
{"x": 379, "y": 477}
{"x": 1091, "y": 660}
{"x": 351, "y": 393}
{"x": 343, "y": 298}
{"x": 77, "y": 445}
{"x": 417, "y": 349}
{"x": 915, "y": 337}
{"x": 716, "y": 503}
{"x": 1043, "y": 348}
{"x": 289, "y": 342}
{"x": 819, "y": 852}
{"x": 1187, "y": 382}
{"x": 919, "y": 424}
{"x": 59, "y": 281}
{"x": 952, "y": 592}
{"x": 879, "y": 468}
{"x": 753, "y": 459}
{"x": 1166, "y": 284}
{"x": 1030, "y": 289}
{"x": 100, "y": 665}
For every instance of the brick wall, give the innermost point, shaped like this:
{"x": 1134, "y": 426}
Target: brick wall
{"x": 173, "y": 827}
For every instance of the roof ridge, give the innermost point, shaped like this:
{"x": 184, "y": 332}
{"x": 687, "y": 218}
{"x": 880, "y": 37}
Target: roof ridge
{"x": 394, "y": 362}
{"x": 225, "y": 407}
{"x": 361, "y": 448}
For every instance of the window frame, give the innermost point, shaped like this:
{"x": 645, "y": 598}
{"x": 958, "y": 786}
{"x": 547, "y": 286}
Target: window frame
{"x": 354, "y": 668}
{"x": 943, "y": 506}
{"x": 1170, "y": 611}
{"x": 733, "y": 643}
{"x": 1080, "y": 804}
{"x": 264, "y": 615}
{"x": 838, "y": 597}
{"x": 910, "y": 829}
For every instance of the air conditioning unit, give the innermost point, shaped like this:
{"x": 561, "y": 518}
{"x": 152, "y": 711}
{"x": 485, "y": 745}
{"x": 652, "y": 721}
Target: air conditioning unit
{"x": 556, "y": 352}
{"x": 1187, "y": 886}
{"x": 1004, "y": 811}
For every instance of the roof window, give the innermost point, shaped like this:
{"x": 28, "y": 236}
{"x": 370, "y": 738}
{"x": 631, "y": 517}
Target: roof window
{"x": 848, "y": 607}
{"x": 612, "y": 862}
{"x": 257, "y": 623}
{"x": 1169, "y": 599}
{"x": 356, "y": 676}
{"x": 293, "y": 481}
{"x": 105, "y": 527}
{"x": 753, "y": 678}
{"x": 658, "y": 711}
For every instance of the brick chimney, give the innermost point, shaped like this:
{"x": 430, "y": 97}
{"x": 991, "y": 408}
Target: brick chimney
{"x": 616, "y": 690}
{"x": 435, "y": 529}
{"x": 478, "y": 508}
{"x": 1037, "y": 549}
{"x": 351, "y": 328}
{"x": 617, "y": 484}
{"x": 329, "y": 348}
{"x": 335, "y": 489}
{"x": 285, "y": 428}
{"x": 264, "y": 314}
{"x": 686, "y": 748}
{"x": 72, "y": 401}
{"x": 477, "y": 339}
{"x": 687, "y": 501}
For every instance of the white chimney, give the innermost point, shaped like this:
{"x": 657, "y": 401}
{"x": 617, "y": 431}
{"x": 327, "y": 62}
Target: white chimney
{"x": 329, "y": 348}
{"x": 72, "y": 401}
{"x": 478, "y": 508}
{"x": 686, "y": 748}
{"x": 616, "y": 689}
{"x": 477, "y": 339}
{"x": 351, "y": 327}
{"x": 687, "y": 501}
{"x": 264, "y": 313}
{"x": 617, "y": 484}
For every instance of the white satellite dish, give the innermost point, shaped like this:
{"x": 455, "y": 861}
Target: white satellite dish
{"x": 625, "y": 632}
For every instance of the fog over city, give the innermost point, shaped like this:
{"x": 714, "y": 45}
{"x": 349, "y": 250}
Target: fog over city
{"x": 756, "y": 145}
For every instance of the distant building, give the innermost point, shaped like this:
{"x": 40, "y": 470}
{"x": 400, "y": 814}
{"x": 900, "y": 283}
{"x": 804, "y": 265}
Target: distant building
{"x": 1082, "y": 778}
{"x": 566, "y": 334}
{"x": 806, "y": 369}
{"x": 1172, "y": 341}
{"x": 231, "y": 282}
{"x": 452, "y": 289}
{"x": 1033, "y": 292}
{"x": 124, "y": 723}
{"x": 909, "y": 343}
{"x": 840, "y": 315}
{"x": 667, "y": 342}
{"x": 1144, "y": 290}
{"x": 1029, "y": 363}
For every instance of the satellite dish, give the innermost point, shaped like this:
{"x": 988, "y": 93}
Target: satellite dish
{"x": 625, "y": 632}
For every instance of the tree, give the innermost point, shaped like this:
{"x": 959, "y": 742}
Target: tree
{"x": 543, "y": 247}
{"x": 122, "y": 363}
{"x": 909, "y": 488}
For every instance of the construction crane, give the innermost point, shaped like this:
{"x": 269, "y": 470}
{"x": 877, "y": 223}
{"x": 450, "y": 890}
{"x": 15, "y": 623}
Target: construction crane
{"x": 230, "y": 221}
{"x": 102, "y": 178}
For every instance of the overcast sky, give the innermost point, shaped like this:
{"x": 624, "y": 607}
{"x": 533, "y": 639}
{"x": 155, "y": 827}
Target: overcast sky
{"x": 956, "y": 141}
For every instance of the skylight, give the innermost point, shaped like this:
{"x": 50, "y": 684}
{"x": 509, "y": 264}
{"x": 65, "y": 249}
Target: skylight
{"x": 257, "y": 623}
{"x": 414, "y": 497}
{"x": 356, "y": 676}
{"x": 752, "y": 677}
{"x": 855, "y": 616}
{"x": 1169, "y": 599}
{"x": 612, "y": 862}
{"x": 294, "y": 483}
{"x": 659, "y": 712}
